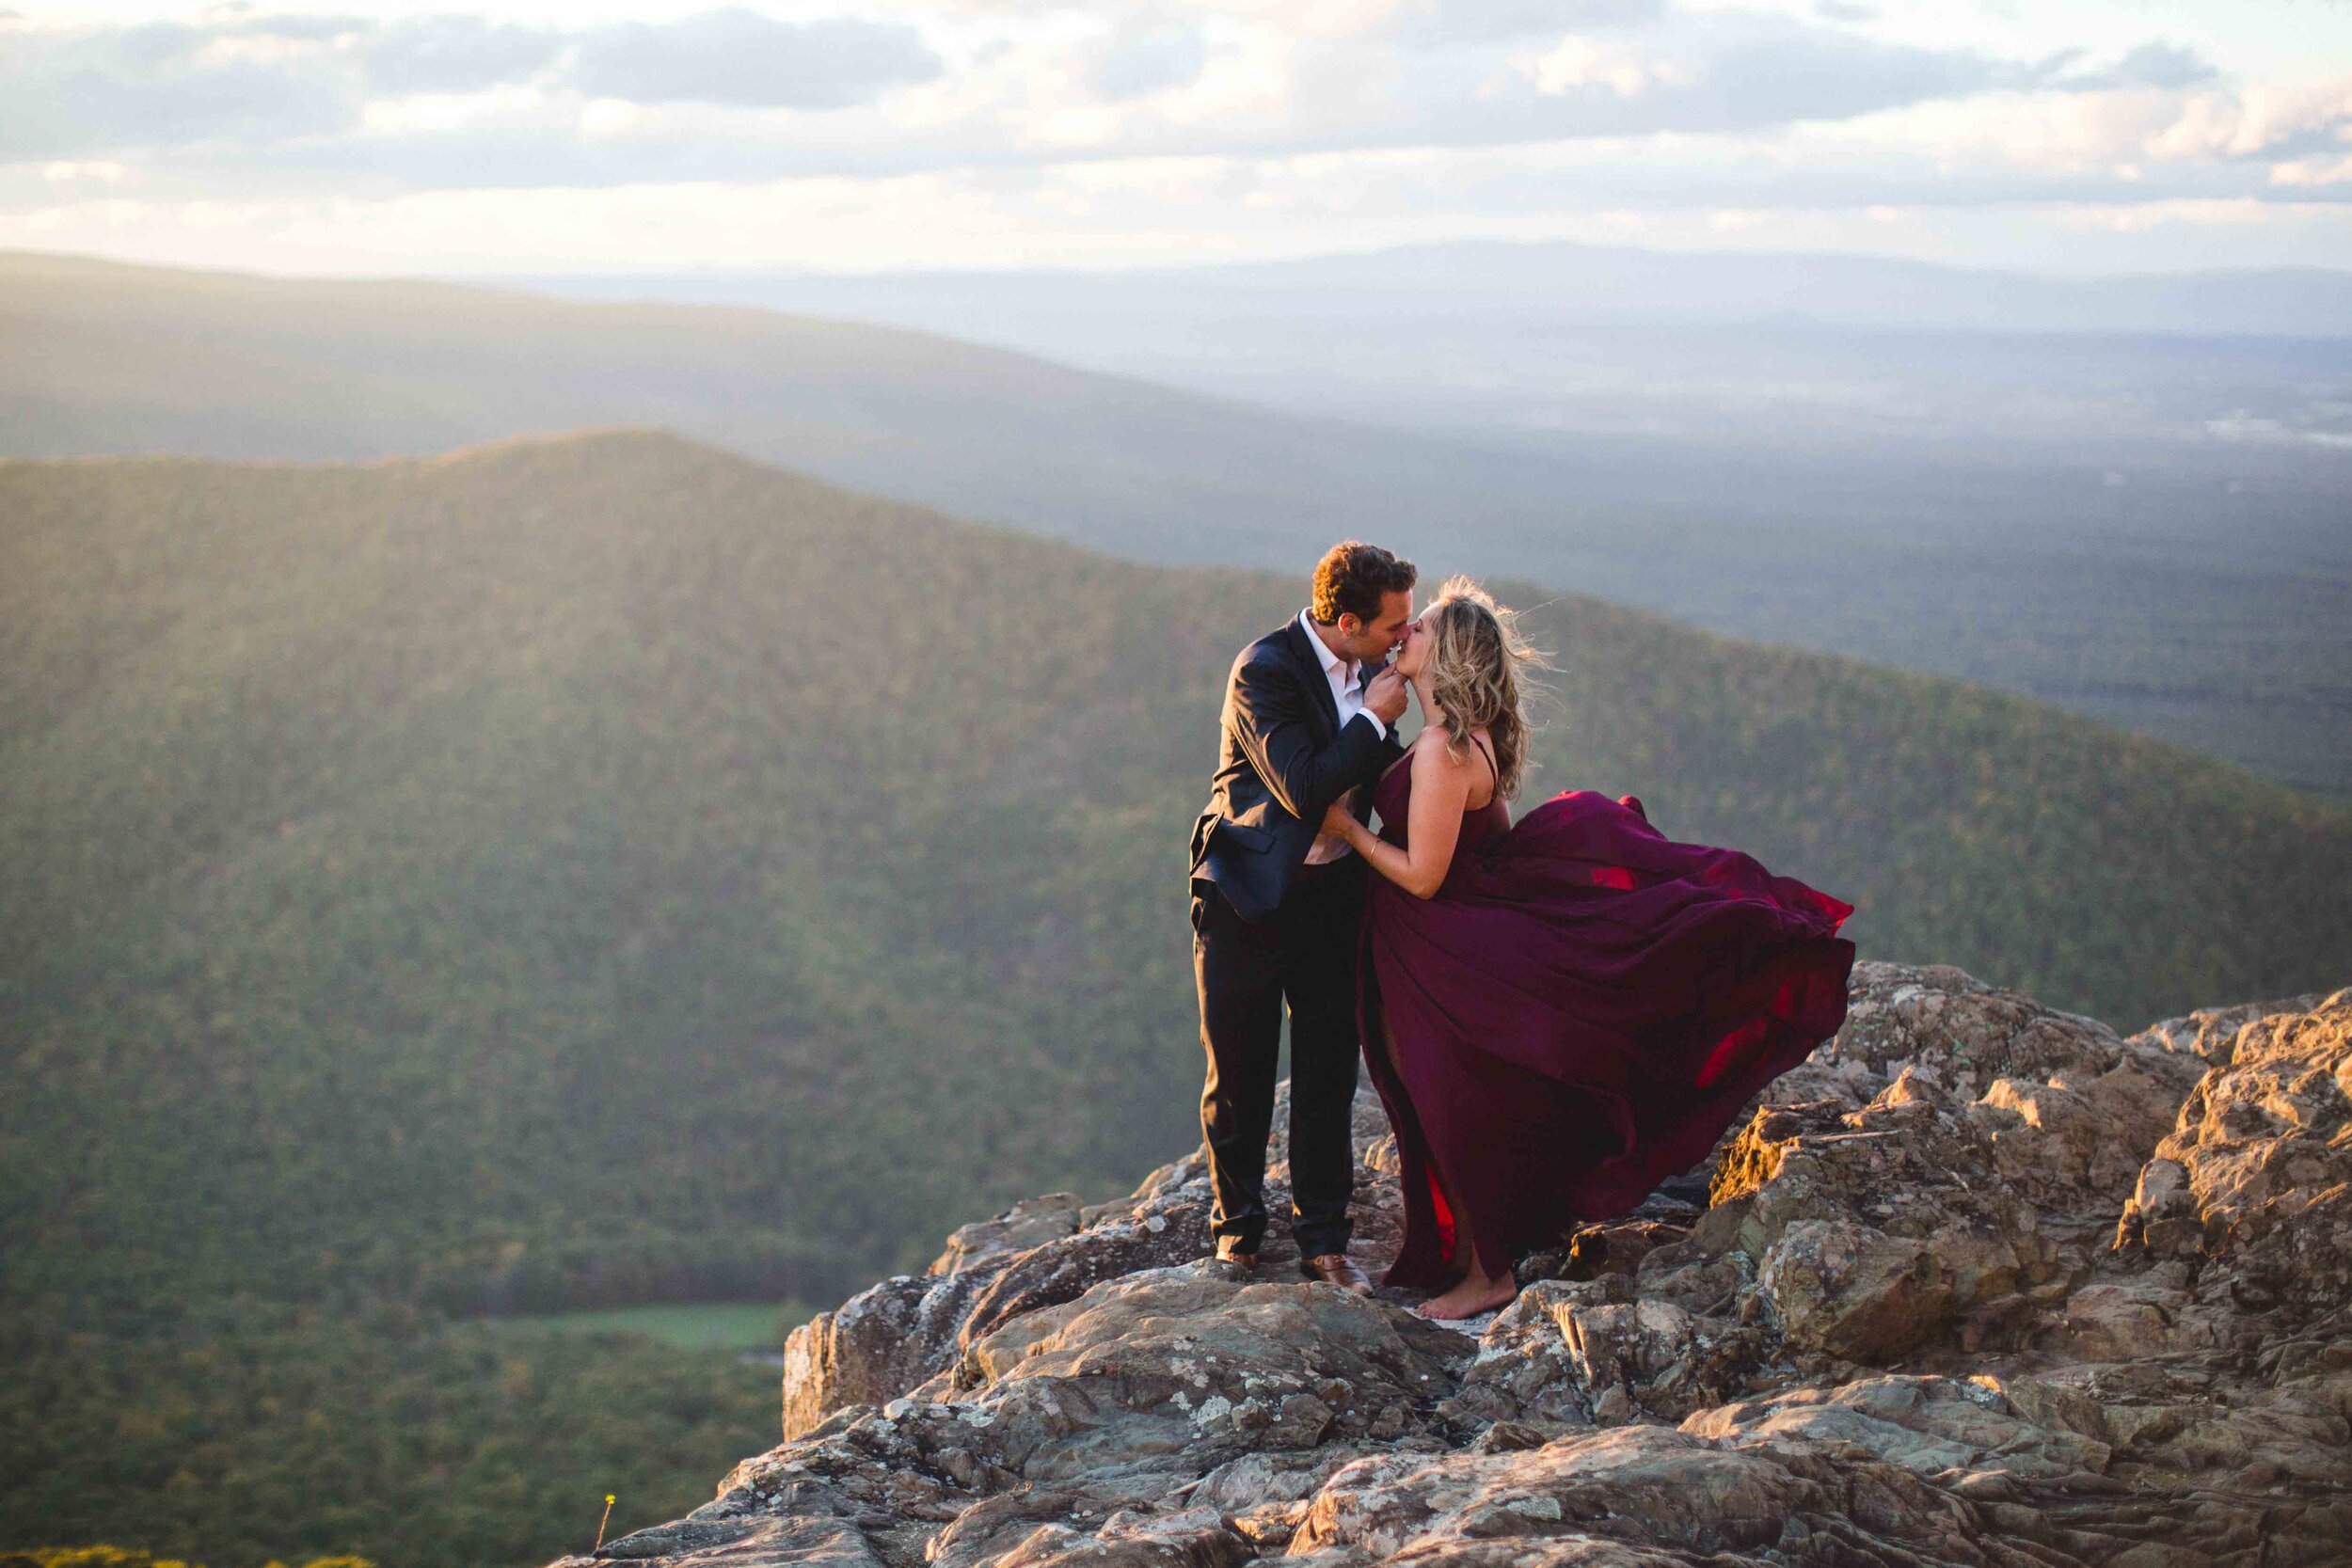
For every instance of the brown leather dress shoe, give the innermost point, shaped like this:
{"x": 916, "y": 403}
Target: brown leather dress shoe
{"x": 1336, "y": 1268}
{"x": 1229, "y": 1253}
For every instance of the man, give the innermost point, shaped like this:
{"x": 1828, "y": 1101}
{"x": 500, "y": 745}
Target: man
{"x": 1277, "y": 905}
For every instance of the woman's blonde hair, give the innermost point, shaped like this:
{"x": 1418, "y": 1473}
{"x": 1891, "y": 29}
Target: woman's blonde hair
{"x": 1475, "y": 656}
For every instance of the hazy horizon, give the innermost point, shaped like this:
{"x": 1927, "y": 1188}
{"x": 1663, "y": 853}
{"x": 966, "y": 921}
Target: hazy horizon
{"x": 2145, "y": 267}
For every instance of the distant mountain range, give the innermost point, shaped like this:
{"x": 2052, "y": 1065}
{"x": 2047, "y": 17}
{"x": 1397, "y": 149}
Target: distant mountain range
{"x": 1529, "y": 341}
{"x": 1527, "y": 344}
{"x": 1599, "y": 284}
{"x": 2144, "y": 529}
{"x": 1618, "y": 285}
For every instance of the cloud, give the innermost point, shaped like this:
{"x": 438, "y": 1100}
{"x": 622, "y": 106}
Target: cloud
{"x": 1685, "y": 73}
{"x": 2155, "y": 64}
{"x": 453, "y": 54}
{"x": 1626, "y": 70}
{"x": 2164, "y": 65}
{"x": 740, "y": 56}
{"x": 72, "y": 91}
{"x": 1472, "y": 22}
{"x": 2261, "y": 126}
{"x": 1184, "y": 116}
{"x": 1408, "y": 73}
{"x": 236, "y": 78}
{"x": 1162, "y": 53}
{"x": 1774, "y": 70}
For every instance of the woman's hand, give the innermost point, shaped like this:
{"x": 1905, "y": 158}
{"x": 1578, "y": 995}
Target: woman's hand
{"x": 1340, "y": 823}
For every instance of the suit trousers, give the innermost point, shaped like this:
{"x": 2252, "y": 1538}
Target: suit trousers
{"x": 1303, "y": 954}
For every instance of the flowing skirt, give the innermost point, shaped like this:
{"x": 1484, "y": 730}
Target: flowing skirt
{"x": 1579, "y": 1013}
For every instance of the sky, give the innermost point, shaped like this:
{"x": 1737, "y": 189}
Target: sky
{"x": 518, "y": 136}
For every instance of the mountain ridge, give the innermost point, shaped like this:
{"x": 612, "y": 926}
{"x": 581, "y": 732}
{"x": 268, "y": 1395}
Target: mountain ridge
{"x": 1844, "y": 286}
{"x": 1947, "y": 557}
{"x": 547, "y": 712}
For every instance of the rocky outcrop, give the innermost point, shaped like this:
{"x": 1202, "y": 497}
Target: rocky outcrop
{"x": 1038, "y": 1254}
{"x": 1979, "y": 1283}
{"x": 2254, "y": 1183}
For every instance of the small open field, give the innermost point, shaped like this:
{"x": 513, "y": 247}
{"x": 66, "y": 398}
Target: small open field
{"x": 705, "y": 1325}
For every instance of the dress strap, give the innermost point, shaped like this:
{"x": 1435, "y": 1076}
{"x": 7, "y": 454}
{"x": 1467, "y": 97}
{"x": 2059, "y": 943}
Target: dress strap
{"x": 1493, "y": 770}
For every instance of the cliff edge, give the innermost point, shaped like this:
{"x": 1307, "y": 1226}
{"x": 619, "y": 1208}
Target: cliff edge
{"x": 1978, "y": 1284}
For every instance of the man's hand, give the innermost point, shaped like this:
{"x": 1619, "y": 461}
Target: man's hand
{"x": 1385, "y": 696}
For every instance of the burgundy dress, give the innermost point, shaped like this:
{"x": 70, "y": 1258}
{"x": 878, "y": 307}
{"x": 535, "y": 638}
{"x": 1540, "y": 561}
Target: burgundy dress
{"x": 1580, "y": 1012}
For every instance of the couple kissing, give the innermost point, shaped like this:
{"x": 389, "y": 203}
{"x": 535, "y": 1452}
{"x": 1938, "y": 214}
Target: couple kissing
{"x": 1558, "y": 1012}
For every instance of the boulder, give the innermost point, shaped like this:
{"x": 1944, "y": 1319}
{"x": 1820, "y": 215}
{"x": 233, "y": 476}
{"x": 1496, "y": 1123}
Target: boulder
{"x": 2254, "y": 1181}
{"x": 1653, "y": 1494}
{"x": 895, "y": 1336}
{"x": 1856, "y": 1292}
{"x": 1575, "y": 1353}
{"x": 2209, "y": 1034}
{"x": 1934, "y": 1427}
{"x": 880, "y": 1343}
{"x": 1031, "y": 1221}
{"x": 1958, "y": 1178}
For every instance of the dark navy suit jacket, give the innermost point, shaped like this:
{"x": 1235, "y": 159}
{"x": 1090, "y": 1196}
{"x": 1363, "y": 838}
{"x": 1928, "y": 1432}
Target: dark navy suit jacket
{"x": 1284, "y": 758}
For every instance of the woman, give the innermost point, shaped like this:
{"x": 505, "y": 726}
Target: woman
{"x": 1567, "y": 1010}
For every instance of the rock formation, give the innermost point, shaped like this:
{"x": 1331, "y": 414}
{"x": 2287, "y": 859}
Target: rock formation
{"x": 1979, "y": 1283}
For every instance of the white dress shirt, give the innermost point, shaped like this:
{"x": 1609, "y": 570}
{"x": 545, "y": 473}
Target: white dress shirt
{"x": 1344, "y": 674}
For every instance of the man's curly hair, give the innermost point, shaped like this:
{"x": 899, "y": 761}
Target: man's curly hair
{"x": 1353, "y": 578}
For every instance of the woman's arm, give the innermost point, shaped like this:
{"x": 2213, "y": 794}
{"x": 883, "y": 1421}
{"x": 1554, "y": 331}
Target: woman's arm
{"x": 1441, "y": 787}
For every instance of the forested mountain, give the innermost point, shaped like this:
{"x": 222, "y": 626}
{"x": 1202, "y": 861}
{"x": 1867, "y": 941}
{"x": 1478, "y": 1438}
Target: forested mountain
{"x": 2146, "y": 528}
{"x": 574, "y": 843}
{"x": 604, "y": 868}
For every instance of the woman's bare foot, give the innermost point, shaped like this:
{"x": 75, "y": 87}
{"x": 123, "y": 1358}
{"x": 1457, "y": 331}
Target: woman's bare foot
{"x": 1476, "y": 1291}
{"x": 1470, "y": 1298}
